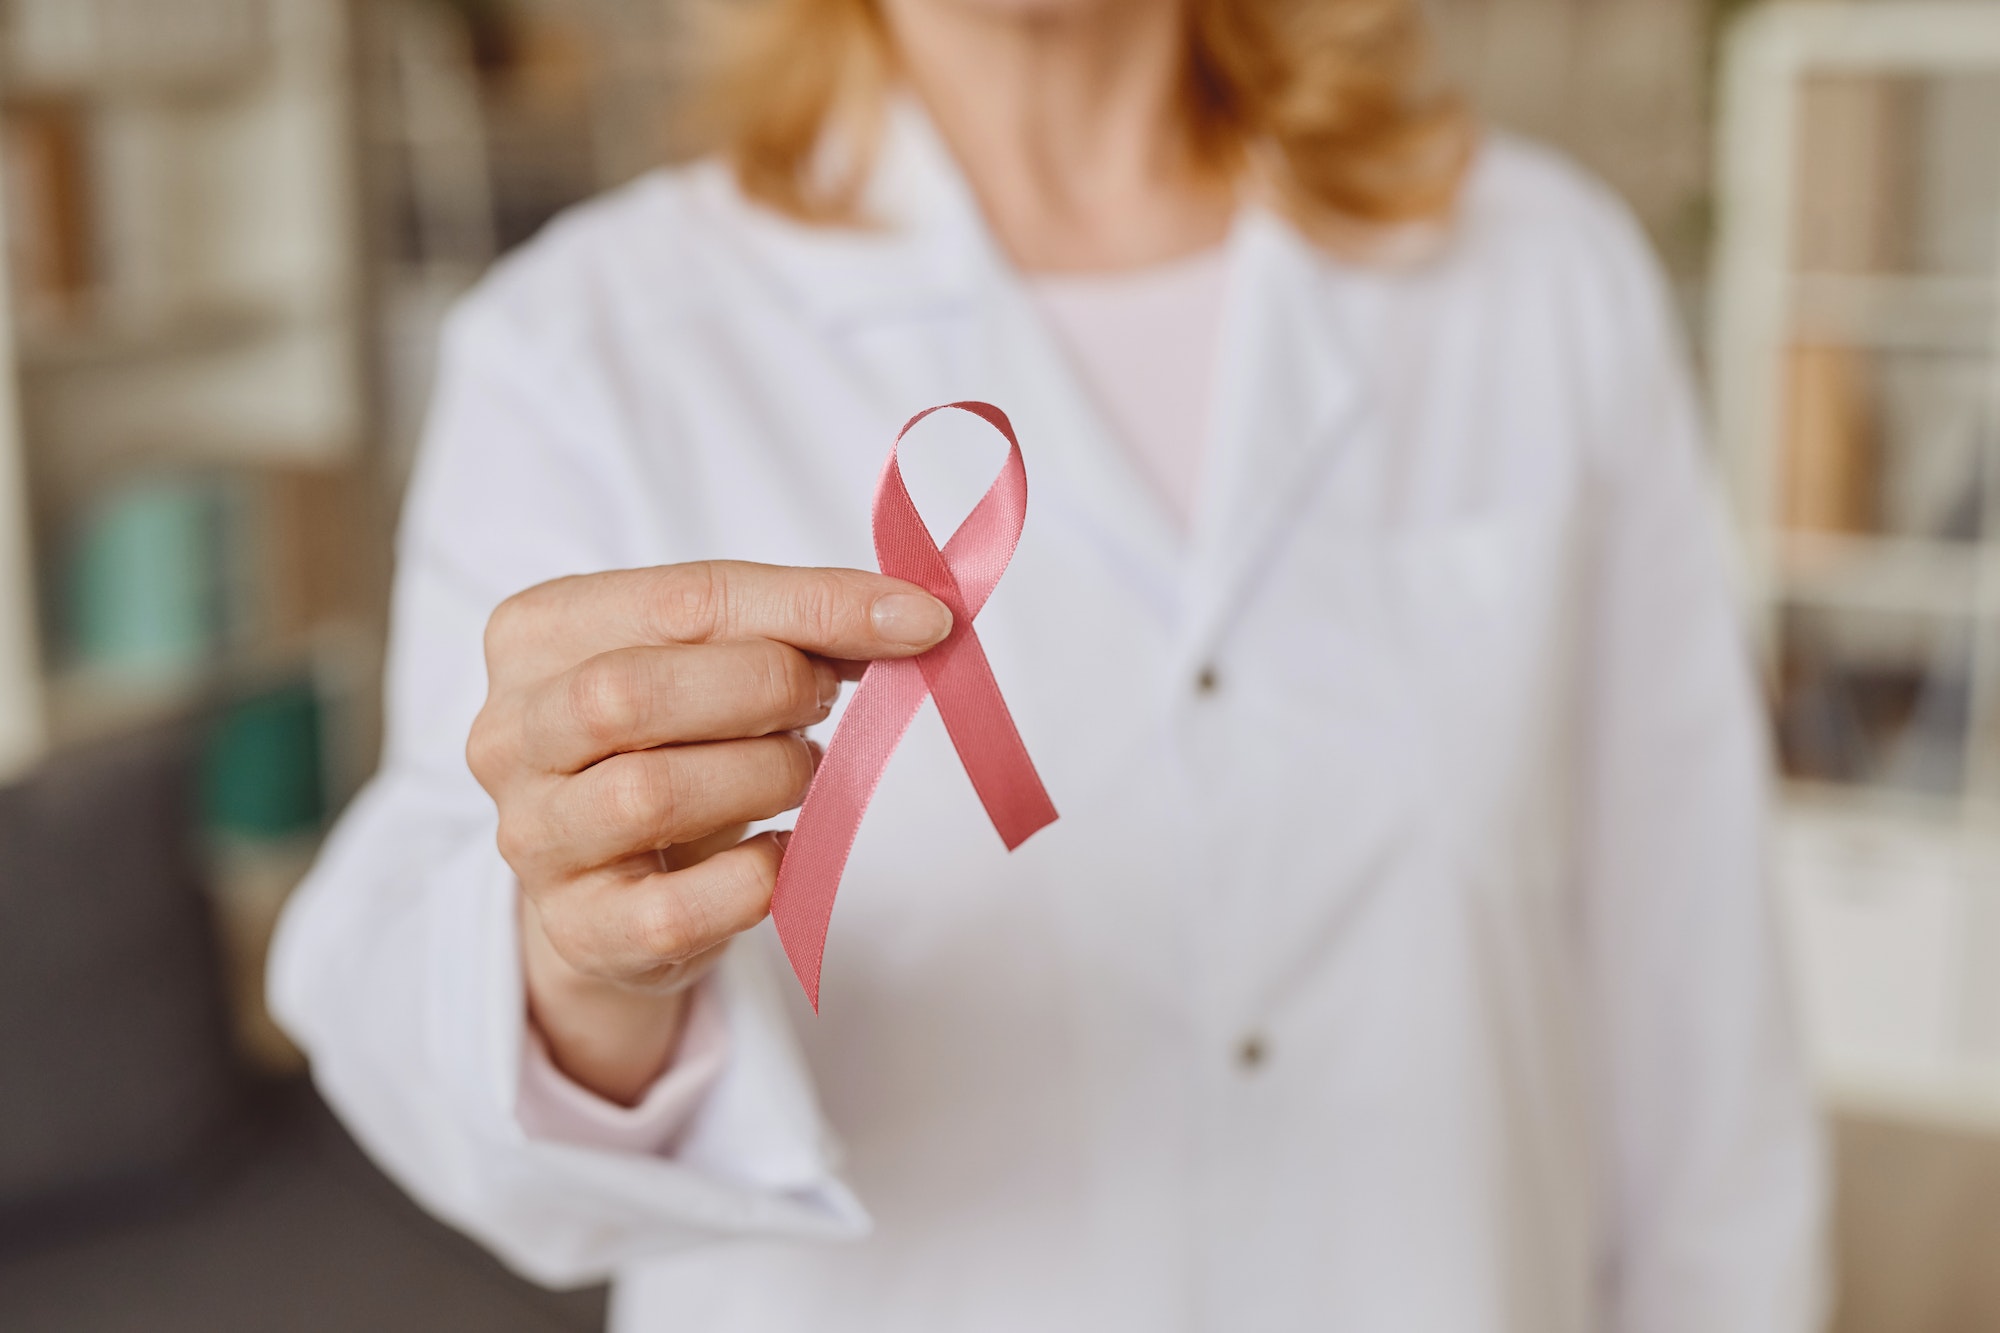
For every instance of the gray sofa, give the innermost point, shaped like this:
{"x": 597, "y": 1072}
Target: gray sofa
{"x": 147, "y": 1183}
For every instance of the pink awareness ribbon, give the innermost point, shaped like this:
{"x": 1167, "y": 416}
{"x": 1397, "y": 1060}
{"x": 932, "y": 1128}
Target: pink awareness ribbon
{"x": 955, "y": 673}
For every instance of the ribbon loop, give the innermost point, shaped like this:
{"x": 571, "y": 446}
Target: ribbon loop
{"x": 955, "y": 673}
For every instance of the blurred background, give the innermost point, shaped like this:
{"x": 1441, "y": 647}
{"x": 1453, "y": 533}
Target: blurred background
{"x": 232, "y": 228}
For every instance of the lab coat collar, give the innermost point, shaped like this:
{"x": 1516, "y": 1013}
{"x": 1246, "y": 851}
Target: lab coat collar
{"x": 931, "y": 263}
{"x": 1288, "y": 388}
{"x": 920, "y": 250}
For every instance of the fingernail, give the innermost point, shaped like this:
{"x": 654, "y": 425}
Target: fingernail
{"x": 783, "y": 839}
{"x": 818, "y": 752}
{"x": 910, "y": 618}
{"x": 829, "y": 684}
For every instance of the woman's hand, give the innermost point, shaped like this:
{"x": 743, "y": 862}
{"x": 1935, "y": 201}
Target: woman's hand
{"x": 634, "y": 723}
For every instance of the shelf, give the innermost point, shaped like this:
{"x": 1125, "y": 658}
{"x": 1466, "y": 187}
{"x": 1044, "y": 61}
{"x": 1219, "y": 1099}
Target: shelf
{"x": 84, "y": 709}
{"x": 1872, "y": 573}
{"x": 86, "y": 706}
{"x": 275, "y": 392}
{"x": 194, "y": 84}
{"x": 134, "y": 49}
{"x": 1863, "y": 806}
{"x": 75, "y": 477}
{"x": 1906, "y": 312}
{"x": 1964, "y": 1096}
{"x": 94, "y": 343}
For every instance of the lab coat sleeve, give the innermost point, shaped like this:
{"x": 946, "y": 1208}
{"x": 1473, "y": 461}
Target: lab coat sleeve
{"x": 396, "y": 965}
{"x": 550, "y": 1105}
{"x": 1712, "y": 1171}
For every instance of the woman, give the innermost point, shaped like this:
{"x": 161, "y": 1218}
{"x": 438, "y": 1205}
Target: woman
{"x": 1399, "y": 961}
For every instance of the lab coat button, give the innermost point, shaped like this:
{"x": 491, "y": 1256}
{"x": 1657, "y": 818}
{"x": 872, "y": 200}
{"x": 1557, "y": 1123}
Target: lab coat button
{"x": 1207, "y": 681}
{"x": 1251, "y": 1052}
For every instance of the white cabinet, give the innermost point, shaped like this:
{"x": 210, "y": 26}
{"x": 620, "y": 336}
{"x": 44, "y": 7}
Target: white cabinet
{"x": 1855, "y": 360}
{"x": 1877, "y": 923}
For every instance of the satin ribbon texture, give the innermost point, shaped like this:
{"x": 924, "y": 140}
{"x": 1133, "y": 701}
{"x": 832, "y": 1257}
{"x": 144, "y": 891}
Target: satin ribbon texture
{"x": 955, "y": 673}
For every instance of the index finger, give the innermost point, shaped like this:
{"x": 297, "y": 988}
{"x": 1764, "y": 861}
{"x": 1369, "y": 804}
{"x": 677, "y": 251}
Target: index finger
{"x": 848, "y": 614}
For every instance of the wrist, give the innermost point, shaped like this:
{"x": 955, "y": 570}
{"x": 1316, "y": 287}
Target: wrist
{"x": 611, "y": 1039}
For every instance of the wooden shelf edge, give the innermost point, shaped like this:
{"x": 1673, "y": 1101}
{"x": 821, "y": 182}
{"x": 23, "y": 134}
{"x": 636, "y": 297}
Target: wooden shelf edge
{"x": 1806, "y": 801}
{"x": 1881, "y": 573}
{"x": 219, "y": 326}
{"x": 234, "y": 77}
{"x": 1966, "y": 1099}
{"x": 86, "y": 706}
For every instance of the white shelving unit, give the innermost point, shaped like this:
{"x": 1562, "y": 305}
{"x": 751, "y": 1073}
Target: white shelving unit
{"x": 221, "y": 325}
{"x": 23, "y": 728}
{"x": 1855, "y": 358}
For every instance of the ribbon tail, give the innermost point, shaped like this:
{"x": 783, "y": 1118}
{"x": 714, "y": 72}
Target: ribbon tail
{"x": 883, "y": 706}
{"x": 989, "y": 745}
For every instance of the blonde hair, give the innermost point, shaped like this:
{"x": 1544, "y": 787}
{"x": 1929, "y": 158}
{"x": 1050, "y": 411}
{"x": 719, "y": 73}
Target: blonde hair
{"x": 1328, "y": 104}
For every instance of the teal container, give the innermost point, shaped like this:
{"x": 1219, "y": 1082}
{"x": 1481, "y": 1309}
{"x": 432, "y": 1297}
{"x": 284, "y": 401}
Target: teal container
{"x": 263, "y": 771}
{"x": 143, "y": 597}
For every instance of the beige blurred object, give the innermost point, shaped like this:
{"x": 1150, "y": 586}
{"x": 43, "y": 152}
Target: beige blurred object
{"x": 556, "y": 59}
{"x": 1830, "y": 475}
{"x": 1857, "y": 167}
{"x": 633, "y": 87}
{"x": 476, "y": 135}
{"x": 1916, "y": 1229}
{"x": 249, "y": 882}
{"x": 127, "y": 46}
{"x": 49, "y": 240}
{"x": 1620, "y": 84}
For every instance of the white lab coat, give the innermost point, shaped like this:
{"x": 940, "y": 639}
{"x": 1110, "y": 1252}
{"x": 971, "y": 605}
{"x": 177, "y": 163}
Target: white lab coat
{"x": 1463, "y": 834}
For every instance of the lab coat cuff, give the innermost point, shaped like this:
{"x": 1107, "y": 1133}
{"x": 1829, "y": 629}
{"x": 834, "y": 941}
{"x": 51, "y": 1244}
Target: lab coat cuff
{"x": 754, "y": 1158}
{"x": 553, "y": 1106}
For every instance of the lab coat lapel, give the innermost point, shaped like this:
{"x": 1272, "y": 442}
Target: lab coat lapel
{"x": 1289, "y": 398}
{"x": 1084, "y": 478}
{"x": 933, "y": 311}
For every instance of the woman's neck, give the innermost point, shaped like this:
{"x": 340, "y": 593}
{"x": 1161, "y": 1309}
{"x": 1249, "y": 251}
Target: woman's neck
{"x": 1067, "y": 121}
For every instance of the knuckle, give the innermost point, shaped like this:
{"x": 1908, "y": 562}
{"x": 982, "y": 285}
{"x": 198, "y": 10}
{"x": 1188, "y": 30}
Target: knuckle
{"x": 785, "y": 680}
{"x": 484, "y": 750}
{"x": 643, "y": 799}
{"x": 671, "y": 928}
{"x": 530, "y": 839}
{"x": 694, "y": 603}
{"x": 501, "y": 631}
{"x": 512, "y": 622}
{"x": 515, "y": 843}
{"x": 608, "y": 697}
